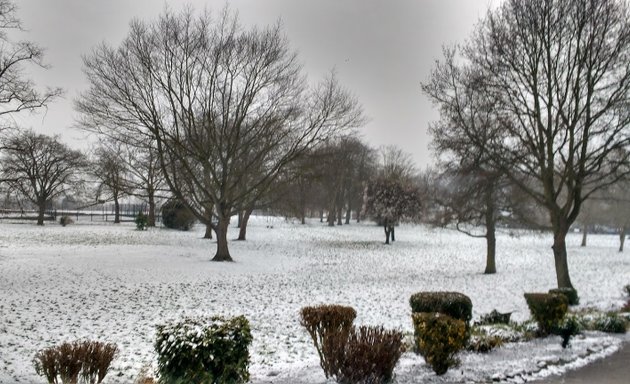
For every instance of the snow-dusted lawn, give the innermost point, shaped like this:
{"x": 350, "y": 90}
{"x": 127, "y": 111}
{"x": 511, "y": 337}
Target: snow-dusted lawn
{"x": 113, "y": 283}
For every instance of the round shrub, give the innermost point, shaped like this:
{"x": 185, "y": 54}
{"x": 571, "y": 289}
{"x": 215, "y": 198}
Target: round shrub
{"x": 204, "y": 350}
{"x": 65, "y": 220}
{"x": 176, "y": 215}
{"x": 329, "y": 326}
{"x": 570, "y": 293}
{"x": 548, "y": 309}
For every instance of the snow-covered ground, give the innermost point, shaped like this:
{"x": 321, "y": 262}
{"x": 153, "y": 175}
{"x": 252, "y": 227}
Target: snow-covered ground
{"x": 112, "y": 283}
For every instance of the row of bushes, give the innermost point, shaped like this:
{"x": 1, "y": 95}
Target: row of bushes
{"x": 216, "y": 349}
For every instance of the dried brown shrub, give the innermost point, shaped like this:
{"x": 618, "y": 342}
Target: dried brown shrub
{"x": 69, "y": 362}
{"x": 329, "y": 326}
{"x": 371, "y": 354}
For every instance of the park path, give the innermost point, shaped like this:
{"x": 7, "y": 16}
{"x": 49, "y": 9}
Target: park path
{"x": 614, "y": 369}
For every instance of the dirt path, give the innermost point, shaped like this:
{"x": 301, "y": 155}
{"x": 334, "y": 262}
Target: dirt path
{"x": 611, "y": 370}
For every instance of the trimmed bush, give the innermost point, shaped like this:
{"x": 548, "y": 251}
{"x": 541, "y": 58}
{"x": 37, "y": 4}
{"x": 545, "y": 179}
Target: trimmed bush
{"x": 329, "y": 326}
{"x": 548, "y": 309}
{"x": 88, "y": 361}
{"x": 570, "y": 293}
{"x": 204, "y": 350}
{"x": 455, "y": 304}
{"x": 438, "y": 338}
{"x": 371, "y": 353}
{"x": 175, "y": 215}
{"x": 65, "y": 220}
{"x": 141, "y": 221}
{"x": 610, "y": 323}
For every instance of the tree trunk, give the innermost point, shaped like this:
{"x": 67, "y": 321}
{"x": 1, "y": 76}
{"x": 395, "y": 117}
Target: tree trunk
{"x": 584, "y": 234}
{"x": 151, "y": 219}
{"x": 321, "y": 215}
{"x": 393, "y": 231}
{"x": 348, "y": 213}
{"x": 622, "y": 237}
{"x": 560, "y": 257}
{"x": 240, "y": 219}
{"x": 491, "y": 244}
{"x": 387, "y": 232}
{"x": 340, "y": 215}
{"x": 491, "y": 239}
{"x": 208, "y": 234}
{"x": 116, "y": 210}
{"x": 242, "y": 233}
{"x": 41, "y": 212}
{"x": 332, "y": 213}
{"x": 223, "y": 254}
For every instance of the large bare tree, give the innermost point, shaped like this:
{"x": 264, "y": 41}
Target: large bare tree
{"x": 557, "y": 73}
{"x": 228, "y": 108}
{"x": 17, "y": 91}
{"x": 40, "y": 168}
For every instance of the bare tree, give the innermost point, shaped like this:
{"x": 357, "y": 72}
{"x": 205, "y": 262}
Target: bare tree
{"x": 18, "y": 92}
{"x": 228, "y": 108}
{"x": 145, "y": 179}
{"x": 40, "y": 168}
{"x": 558, "y": 75}
{"x": 110, "y": 170}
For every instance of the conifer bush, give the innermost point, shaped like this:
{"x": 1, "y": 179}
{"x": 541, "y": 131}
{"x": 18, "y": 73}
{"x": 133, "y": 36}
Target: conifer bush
{"x": 84, "y": 362}
{"x": 176, "y": 215}
{"x": 438, "y": 338}
{"x": 370, "y": 355}
{"x": 548, "y": 309}
{"x": 141, "y": 221}
{"x": 329, "y": 326}
{"x": 204, "y": 350}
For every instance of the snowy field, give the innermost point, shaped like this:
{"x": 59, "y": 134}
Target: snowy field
{"x": 113, "y": 283}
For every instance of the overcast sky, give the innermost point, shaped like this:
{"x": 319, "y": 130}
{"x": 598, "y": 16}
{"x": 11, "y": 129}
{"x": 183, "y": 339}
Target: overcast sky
{"x": 382, "y": 50}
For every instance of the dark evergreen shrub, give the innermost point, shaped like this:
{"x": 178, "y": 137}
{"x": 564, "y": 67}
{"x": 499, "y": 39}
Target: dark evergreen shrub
{"x": 204, "y": 350}
{"x": 483, "y": 343}
{"x": 176, "y": 215}
{"x": 610, "y": 323}
{"x": 371, "y": 353}
{"x": 438, "y": 338}
{"x": 78, "y": 362}
{"x": 329, "y": 326}
{"x": 548, "y": 309}
{"x": 141, "y": 221}
{"x": 65, "y": 220}
{"x": 570, "y": 293}
{"x": 495, "y": 317}
{"x": 568, "y": 328}
{"x": 454, "y": 304}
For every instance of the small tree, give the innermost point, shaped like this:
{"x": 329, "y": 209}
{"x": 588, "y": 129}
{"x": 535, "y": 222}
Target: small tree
{"x": 110, "y": 170}
{"x": 40, "y": 168}
{"x": 388, "y": 200}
